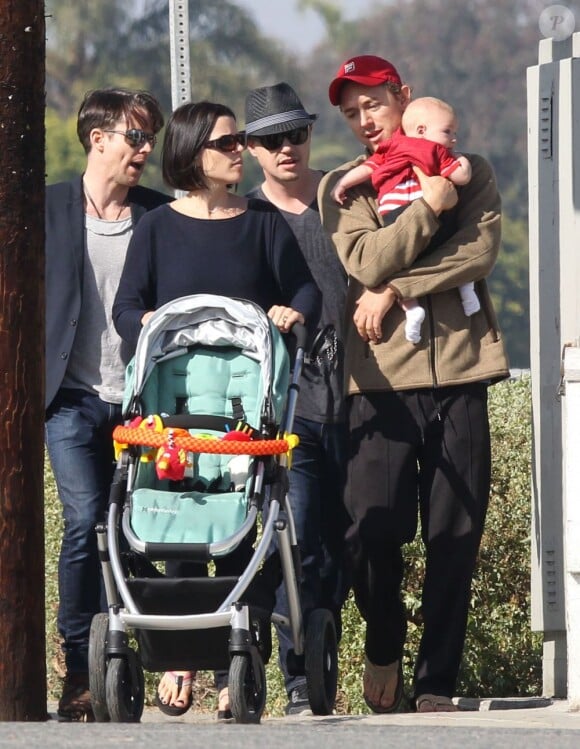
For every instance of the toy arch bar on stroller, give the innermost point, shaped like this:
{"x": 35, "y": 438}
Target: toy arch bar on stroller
{"x": 211, "y": 379}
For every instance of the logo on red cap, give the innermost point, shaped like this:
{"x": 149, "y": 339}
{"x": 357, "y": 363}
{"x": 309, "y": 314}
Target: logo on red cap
{"x": 368, "y": 70}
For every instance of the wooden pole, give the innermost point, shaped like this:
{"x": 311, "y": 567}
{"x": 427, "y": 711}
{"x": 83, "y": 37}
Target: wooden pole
{"x": 22, "y": 619}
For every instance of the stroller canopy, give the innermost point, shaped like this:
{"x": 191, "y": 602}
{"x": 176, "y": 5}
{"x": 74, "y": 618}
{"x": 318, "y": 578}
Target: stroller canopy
{"x": 210, "y": 320}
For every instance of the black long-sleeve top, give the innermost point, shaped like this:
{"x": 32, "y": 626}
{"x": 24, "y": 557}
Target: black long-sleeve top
{"x": 252, "y": 256}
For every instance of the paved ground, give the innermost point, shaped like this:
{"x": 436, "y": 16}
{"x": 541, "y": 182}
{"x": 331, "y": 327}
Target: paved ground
{"x": 513, "y": 724}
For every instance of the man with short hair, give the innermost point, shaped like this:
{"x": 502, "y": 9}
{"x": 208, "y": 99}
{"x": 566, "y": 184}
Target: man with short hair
{"x": 89, "y": 221}
{"x": 279, "y": 132}
{"x": 419, "y": 431}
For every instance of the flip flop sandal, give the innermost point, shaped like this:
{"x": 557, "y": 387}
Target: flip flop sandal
{"x": 176, "y": 710}
{"x": 435, "y": 703}
{"x": 382, "y": 674}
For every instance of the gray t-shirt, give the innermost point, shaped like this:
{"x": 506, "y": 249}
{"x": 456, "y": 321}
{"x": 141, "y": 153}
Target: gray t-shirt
{"x": 99, "y": 356}
{"x": 321, "y": 396}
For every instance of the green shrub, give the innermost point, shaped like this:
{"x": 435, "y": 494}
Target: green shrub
{"x": 502, "y": 656}
{"x": 52, "y": 536}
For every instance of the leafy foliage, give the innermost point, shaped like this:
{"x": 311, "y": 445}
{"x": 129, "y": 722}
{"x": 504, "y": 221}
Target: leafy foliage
{"x": 82, "y": 52}
{"x": 64, "y": 158}
{"x": 228, "y": 53}
{"x": 502, "y": 657}
{"x": 52, "y": 535}
{"x": 510, "y": 287}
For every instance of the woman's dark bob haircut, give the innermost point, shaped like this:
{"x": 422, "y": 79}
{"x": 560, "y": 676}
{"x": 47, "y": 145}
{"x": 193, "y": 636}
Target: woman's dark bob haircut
{"x": 186, "y": 134}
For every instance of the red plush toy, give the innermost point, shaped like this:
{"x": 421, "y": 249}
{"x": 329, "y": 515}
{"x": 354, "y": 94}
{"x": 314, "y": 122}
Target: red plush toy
{"x": 171, "y": 461}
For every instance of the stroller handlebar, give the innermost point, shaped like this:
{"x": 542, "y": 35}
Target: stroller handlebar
{"x": 300, "y": 333}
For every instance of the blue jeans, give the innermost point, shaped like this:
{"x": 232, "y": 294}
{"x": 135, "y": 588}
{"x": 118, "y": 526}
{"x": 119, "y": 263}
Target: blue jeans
{"x": 78, "y": 433}
{"x": 316, "y": 498}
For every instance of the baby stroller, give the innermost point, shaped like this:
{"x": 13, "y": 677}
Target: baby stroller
{"x": 202, "y": 465}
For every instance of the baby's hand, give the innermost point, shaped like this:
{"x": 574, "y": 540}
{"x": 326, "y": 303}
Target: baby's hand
{"x": 338, "y": 193}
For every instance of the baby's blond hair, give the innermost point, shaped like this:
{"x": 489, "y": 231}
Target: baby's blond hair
{"x": 417, "y": 110}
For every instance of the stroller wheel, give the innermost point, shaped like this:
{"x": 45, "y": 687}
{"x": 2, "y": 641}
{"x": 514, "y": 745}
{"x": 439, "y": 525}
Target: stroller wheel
{"x": 247, "y": 699}
{"x": 98, "y": 666}
{"x": 125, "y": 688}
{"x": 321, "y": 661}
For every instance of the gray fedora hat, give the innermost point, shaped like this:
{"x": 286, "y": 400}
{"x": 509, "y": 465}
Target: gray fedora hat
{"x": 275, "y": 109}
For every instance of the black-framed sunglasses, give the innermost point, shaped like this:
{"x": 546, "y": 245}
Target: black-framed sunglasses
{"x": 135, "y": 137}
{"x": 227, "y": 143}
{"x": 274, "y": 141}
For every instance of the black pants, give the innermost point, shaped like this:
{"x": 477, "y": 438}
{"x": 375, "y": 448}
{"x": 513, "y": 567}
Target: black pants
{"x": 427, "y": 450}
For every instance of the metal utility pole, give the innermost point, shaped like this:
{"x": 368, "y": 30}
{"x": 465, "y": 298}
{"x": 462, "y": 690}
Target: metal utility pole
{"x": 179, "y": 50}
{"x": 554, "y": 187}
{"x": 22, "y": 627}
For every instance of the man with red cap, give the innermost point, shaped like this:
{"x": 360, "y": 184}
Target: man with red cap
{"x": 418, "y": 419}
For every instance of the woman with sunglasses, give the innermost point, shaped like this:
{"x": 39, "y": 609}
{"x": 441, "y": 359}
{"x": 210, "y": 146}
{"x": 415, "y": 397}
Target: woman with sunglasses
{"x": 211, "y": 241}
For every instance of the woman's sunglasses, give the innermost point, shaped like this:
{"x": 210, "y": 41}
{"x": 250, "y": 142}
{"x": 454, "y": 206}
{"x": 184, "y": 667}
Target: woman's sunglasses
{"x": 227, "y": 143}
{"x": 274, "y": 141}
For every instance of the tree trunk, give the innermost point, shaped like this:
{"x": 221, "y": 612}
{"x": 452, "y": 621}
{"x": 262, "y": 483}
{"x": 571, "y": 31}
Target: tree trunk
{"x": 22, "y": 618}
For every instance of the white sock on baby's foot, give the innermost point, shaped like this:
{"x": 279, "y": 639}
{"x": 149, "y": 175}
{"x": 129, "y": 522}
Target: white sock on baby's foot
{"x": 413, "y": 320}
{"x": 471, "y": 305}
{"x": 469, "y": 300}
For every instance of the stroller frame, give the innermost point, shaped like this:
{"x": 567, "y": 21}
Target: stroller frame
{"x": 115, "y": 668}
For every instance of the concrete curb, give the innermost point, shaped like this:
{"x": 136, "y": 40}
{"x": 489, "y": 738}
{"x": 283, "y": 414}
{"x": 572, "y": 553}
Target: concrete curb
{"x": 501, "y": 703}
{"x": 505, "y": 712}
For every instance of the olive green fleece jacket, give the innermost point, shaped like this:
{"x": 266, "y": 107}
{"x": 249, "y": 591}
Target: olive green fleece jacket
{"x": 454, "y": 349}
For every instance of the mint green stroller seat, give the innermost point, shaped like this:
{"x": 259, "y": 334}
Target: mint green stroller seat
{"x": 211, "y": 504}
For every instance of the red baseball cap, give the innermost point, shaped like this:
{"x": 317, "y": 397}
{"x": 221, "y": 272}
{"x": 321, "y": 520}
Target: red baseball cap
{"x": 368, "y": 70}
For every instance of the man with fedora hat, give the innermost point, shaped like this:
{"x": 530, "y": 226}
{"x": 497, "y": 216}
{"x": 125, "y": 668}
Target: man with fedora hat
{"x": 279, "y": 131}
{"x": 419, "y": 431}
